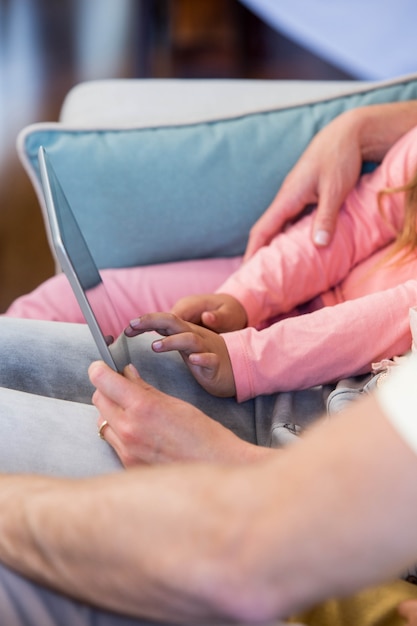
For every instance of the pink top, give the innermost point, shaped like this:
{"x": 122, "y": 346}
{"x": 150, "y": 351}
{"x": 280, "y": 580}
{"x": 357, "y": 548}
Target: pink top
{"x": 365, "y": 314}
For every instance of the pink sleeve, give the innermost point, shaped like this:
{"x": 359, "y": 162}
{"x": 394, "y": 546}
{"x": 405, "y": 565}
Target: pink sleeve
{"x": 324, "y": 346}
{"x": 292, "y": 270}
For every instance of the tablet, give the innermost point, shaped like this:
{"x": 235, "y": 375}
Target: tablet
{"x": 77, "y": 263}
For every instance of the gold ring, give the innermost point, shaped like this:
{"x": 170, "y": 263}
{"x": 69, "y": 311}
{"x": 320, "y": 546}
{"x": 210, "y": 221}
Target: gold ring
{"x": 101, "y": 429}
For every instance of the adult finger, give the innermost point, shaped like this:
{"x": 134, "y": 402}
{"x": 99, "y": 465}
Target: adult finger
{"x": 289, "y": 202}
{"x": 113, "y": 386}
{"x": 324, "y": 222}
{"x": 261, "y": 233}
{"x": 111, "y": 438}
{"x": 331, "y": 198}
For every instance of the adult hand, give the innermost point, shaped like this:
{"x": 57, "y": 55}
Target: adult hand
{"x": 408, "y": 610}
{"x": 219, "y": 312}
{"x": 324, "y": 174}
{"x": 203, "y": 351}
{"x": 145, "y": 425}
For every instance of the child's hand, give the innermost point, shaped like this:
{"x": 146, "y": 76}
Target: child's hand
{"x": 217, "y": 311}
{"x": 204, "y": 352}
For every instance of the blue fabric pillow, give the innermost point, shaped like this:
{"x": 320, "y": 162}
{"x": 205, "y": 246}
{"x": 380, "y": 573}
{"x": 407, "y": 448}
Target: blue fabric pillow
{"x": 158, "y": 194}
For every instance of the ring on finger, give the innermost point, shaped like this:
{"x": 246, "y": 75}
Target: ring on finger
{"x": 101, "y": 429}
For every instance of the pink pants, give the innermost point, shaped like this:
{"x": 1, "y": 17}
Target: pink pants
{"x": 134, "y": 291}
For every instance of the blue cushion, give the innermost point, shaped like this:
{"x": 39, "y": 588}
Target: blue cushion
{"x": 158, "y": 194}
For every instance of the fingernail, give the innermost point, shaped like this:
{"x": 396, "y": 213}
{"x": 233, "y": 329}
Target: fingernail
{"x": 135, "y": 323}
{"x": 157, "y": 345}
{"x": 321, "y": 238}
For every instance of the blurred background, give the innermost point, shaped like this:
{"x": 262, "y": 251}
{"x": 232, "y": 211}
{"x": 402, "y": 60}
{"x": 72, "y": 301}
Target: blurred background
{"x": 47, "y": 46}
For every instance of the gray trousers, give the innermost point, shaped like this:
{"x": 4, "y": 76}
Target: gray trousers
{"x": 48, "y": 426}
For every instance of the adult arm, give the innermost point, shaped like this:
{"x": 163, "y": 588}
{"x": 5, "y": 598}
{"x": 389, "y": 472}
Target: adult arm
{"x": 330, "y": 167}
{"x": 201, "y": 542}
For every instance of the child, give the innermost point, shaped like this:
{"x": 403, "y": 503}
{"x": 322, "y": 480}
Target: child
{"x": 355, "y": 303}
{"x": 355, "y": 296}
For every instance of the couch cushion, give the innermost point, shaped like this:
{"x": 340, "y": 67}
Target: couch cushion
{"x": 149, "y": 195}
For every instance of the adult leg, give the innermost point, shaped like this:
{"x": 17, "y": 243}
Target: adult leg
{"x": 136, "y": 290}
{"x": 51, "y": 359}
{"x": 41, "y": 435}
{"x": 58, "y": 434}
{"x": 47, "y": 358}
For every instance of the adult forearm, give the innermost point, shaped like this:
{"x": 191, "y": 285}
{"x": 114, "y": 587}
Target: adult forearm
{"x": 347, "y": 514}
{"x": 195, "y": 543}
{"x": 163, "y": 543}
{"x": 379, "y": 126}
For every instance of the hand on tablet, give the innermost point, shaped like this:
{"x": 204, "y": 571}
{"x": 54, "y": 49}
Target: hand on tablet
{"x": 144, "y": 425}
{"x": 203, "y": 351}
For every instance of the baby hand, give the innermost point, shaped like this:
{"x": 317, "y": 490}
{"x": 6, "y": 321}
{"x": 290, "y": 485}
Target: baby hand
{"x": 217, "y": 311}
{"x": 203, "y": 351}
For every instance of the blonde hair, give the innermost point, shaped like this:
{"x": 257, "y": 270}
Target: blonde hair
{"x": 405, "y": 243}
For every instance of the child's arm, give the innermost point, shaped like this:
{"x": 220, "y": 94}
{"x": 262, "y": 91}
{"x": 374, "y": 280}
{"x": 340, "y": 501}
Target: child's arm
{"x": 296, "y": 353}
{"x": 292, "y": 270}
{"x": 323, "y": 346}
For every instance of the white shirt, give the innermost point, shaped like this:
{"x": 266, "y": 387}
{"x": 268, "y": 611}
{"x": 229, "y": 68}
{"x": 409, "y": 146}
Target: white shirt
{"x": 398, "y": 399}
